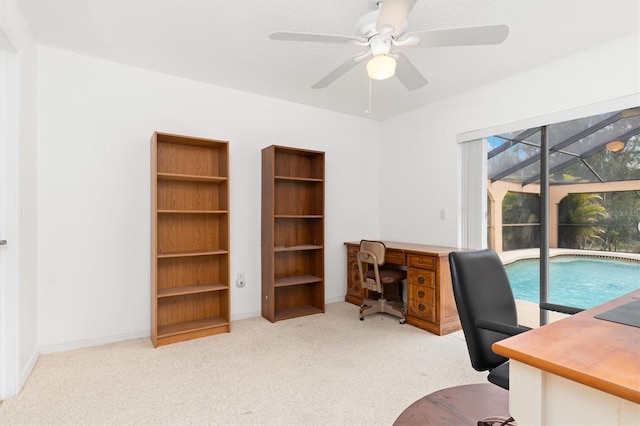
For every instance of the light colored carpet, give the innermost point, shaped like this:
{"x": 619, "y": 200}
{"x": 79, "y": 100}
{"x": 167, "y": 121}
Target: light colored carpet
{"x": 324, "y": 369}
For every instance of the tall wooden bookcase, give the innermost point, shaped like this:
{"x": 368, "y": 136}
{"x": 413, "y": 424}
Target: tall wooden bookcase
{"x": 189, "y": 238}
{"x": 292, "y": 232}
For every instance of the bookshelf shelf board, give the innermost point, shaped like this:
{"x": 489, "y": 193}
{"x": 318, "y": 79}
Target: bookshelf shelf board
{"x": 298, "y": 216}
{"x": 191, "y": 289}
{"x": 297, "y": 248}
{"x": 298, "y": 179}
{"x": 296, "y": 280}
{"x": 192, "y": 253}
{"x": 191, "y": 178}
{"x": 190, "y": 326}
{"x": 193, "y": 211}
{"x": 297, "y": 311}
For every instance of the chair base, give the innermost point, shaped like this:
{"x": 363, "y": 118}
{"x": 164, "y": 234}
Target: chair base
{"x": 383, "y": 306}
{"x": 500, "y": 375}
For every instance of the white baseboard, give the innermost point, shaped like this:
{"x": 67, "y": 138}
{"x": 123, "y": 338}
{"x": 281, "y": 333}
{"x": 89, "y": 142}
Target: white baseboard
{"x": 26, "y": 372}
{"x": 69, "y": 346}
{"x": 334, "y": 300}
{"x": 245, "y": 315}
{"x": 253, "y": 314}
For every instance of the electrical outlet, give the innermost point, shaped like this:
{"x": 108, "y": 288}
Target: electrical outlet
{"x": 240, "y": 282}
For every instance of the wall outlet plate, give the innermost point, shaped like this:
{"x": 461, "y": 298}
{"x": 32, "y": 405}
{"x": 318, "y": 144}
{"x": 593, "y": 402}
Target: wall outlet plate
{"x": 240, "y": 281}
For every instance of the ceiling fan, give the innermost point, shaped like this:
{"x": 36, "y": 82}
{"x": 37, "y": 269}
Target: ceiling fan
{"x": 382, "y": 30}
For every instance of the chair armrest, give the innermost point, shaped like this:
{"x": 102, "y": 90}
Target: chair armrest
{"x": 560, "y": 308}
{"x": 498, "y": 327}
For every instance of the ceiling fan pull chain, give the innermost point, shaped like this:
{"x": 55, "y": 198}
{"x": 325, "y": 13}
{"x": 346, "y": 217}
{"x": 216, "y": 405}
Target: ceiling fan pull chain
{"x": 368, "y": 111}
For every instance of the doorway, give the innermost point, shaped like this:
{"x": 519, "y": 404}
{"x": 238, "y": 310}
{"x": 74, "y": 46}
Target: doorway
{"x": 9, "y": 223}
{"x": 487, "y": 217}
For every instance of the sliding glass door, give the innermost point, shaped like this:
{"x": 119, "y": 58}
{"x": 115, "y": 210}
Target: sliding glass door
{"x": 567, "y": 188}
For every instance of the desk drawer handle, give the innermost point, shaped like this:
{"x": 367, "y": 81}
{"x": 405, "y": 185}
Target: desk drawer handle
{"x": 356, "y": 288}
{"x": 421, "y": 294}
{"x": 421, "y": 307}
{"x": 420, "y": 280}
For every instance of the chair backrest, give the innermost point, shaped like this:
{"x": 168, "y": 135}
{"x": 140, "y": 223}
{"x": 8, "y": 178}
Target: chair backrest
{"x": 371, "y": 253}
{"x": 482, "y": 290}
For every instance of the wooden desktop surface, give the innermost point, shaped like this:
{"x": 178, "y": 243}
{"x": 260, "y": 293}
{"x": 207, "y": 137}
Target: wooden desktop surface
{"x": 413, "y": 248}
{"x": 601, "y": 354}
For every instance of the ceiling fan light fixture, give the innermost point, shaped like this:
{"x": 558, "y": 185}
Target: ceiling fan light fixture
{"x": 381, "y": 67}
{"x": 615, "y": 146}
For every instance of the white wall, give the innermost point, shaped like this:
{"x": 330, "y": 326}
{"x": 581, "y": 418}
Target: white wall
{"x": 419, "y": 177}
{"x": 95, "y": 120}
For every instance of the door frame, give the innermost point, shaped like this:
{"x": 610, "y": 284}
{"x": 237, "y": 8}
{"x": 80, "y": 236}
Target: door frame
{"x": 473, "y": 215}
{"x": 9, "y": 221}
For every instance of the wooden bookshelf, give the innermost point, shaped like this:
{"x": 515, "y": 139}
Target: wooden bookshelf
{"x": 189, "y": 238}
{"x": 292, "y": 232}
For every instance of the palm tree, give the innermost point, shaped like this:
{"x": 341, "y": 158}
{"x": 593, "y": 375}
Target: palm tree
{"x": 578, "y": 216}
{"x": 520, "y": 209}
{"x": 622, "y": 224}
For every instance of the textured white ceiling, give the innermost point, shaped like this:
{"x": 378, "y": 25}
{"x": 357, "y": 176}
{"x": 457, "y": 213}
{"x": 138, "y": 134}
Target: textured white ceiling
{"x": 225, "y": 42}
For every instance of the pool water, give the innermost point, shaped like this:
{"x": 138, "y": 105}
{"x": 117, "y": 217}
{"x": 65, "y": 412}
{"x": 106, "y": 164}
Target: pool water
{"x": 582, "y": 282}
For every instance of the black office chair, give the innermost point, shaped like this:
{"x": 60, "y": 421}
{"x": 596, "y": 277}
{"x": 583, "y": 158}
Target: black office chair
{"x": 487, "y": 309}
{"x": 373, "y": 277}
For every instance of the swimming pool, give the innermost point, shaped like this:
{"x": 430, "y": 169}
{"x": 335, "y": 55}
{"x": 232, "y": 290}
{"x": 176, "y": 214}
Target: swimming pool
{"x": 577, "y": 281}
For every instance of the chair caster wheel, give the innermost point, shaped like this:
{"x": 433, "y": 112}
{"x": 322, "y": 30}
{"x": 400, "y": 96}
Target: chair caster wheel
{"x": 361, "y": 317}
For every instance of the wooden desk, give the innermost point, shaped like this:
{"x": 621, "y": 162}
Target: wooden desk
{"x": 460, "y": 405}
{"x": 430, "y": 302}
{"x": 579, "y": 370}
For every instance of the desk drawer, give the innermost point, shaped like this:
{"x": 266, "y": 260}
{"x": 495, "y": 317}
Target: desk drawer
{"x": 422, "y": 310}
{"x": 395, "y": 257}
{"x": 417, "y": 261}
{"x": 421, "y": 278}
{"x": 352, "y": 251}
{"x": 424, "y": 295}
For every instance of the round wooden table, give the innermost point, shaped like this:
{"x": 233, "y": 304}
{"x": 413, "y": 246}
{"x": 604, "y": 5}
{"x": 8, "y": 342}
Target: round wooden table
{"x": 459, "y": 405}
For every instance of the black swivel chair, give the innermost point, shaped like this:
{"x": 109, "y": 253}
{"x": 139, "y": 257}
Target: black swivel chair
{"x": 487, "y": 309}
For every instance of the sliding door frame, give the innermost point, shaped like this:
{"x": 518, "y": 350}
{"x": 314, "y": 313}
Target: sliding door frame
{"x": 473, "y": 215}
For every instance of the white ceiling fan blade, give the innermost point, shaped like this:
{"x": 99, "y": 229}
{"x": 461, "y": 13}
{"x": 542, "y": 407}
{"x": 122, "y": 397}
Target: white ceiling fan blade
{"x": 340, "y": 71}
{"x": 468, "y": 36}
{"x": 393, "y": 15}
{"x": 323, "y": 38}
{"x": 408, "y": 74}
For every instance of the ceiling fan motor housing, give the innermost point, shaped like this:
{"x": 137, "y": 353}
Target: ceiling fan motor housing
{"x": 380, "y": 45}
